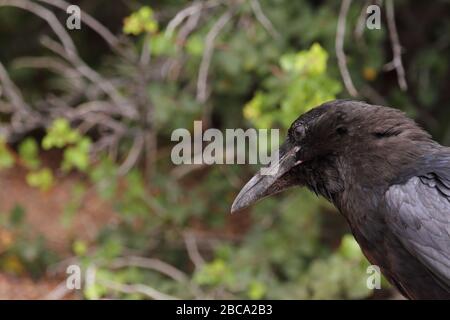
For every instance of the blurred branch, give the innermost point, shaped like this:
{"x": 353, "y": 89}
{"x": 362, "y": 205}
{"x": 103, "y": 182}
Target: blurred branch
{"x": 202, "y": 89}
{"x": 53, "y": 64}
{"x": 12, "y": 92}
{"x": 262, "y": 18}
{"x": 23, "y": 122}
{"x": 182, "y": 15}
{"x": 128, "y": 110}
{"x": 361, "y": 23}
{"x": 374, "y": 97}
{"x": 50, "y": 18}
{"x": 342, "y": 60}
{"x": 189, "y": 11}
{"x": 136, "y": 288}
{"x": 23, "y": 118}
{"x": 59, "y": 292}
{"x": 148, "y": 263}
{"x": 92, "y": 23}
{"x": 188, "y": 27}
{"x": 192, "y": 249}
{"x": 133, "y": 155}
{"x": 396, "y": 62}
{"x": 144, "y": 59}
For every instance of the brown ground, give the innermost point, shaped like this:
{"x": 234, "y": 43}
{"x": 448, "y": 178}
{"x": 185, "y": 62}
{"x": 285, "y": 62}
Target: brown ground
{"x": 43, "y": 213}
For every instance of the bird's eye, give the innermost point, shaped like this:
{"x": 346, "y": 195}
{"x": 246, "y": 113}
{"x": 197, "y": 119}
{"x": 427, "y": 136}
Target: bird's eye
{"x": 341, "y": 130}
{"x": 299, "y": 132}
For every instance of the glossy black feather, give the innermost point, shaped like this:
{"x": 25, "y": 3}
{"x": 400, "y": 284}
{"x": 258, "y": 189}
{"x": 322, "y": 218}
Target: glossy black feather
{"x": 418, "y": 214}
{"x": 389, "y": 180}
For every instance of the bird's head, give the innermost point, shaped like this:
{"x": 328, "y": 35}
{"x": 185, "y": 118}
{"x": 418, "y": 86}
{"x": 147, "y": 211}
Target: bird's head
{"x": 336, "y": 143}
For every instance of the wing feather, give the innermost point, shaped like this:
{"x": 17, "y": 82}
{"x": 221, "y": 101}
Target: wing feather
{"x": 419, "y": 215}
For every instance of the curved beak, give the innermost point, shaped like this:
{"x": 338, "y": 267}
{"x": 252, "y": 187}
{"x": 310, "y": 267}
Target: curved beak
{"x": 270, "y": 180}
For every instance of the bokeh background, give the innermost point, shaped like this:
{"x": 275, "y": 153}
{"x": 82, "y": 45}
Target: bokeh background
{"x": 86, "y": 118}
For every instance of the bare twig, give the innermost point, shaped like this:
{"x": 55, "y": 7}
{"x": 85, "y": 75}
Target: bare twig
{"x": 70, "y": 52}
{"x": 92, "y": 23}
{"x": 59, "y": 292}
{"x": 128, "y": 110}
{"x": 342, "y": 60}
{"x": 11, "y": 91}
{"x": 188, "y": 27}
{"x": 95, "y": 106}
{"x": 144, "y": 60}
{"x": 361, "y": 23}
{"x": 133, "y": 155}
{"x": 136, "y": 288}
{"x": 100, "y": 120}
{"x": 396, "y": 62}
{"x": 262, "y": 18}
{"x": 53, "y": 64}
{"x": 190, "y": 10}
{"x": 23, "y": 118}
{"x": 49, "y": 17}
{"x": 202, "y": 89}
{"x": 150, "y": 263}
{"x": 373, "y": 96}
{"x": 192, "y": 249}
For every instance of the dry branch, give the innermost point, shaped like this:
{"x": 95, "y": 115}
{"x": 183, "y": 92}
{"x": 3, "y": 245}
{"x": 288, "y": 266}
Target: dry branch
{"x": 396, "y": 62}
{"x": 342, "y": 60}
{"x": 202, "y": 89}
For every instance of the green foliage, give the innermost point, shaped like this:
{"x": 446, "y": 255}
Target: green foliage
{"x": 77, "y": 156}
{"x": 301, "y": 85}
{"x": 349, "y": 248}
{"x": 140, "y": 21}
{"x": 162, "y": 44}
{"x": 21, "y": 250}
{"x": 79, "y": 248}
{"x": 215, "y": 273}
{"x": 195, "y": 45}
{"x": 104, "y": 177}
{"x": 76, "y": 152}
{"x": 6, "y": 158}
{"x": 42, "y": 179}
{"x": 78, "y": 194}
{"x": 29, "y": 153}
{"x": 59, "y": 135}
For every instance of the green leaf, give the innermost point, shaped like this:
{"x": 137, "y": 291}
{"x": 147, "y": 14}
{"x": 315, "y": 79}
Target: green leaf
{"x": 29, "y": 153}
{"x": 79, "y": 247}
{"x": 302, "y": 85}
{"x": 349, "y": 248}
{"x": 77, "y": 156}
{"x": 42, "y": 179}
{"x": 195, "y": 45}
{"x": 256, "y": 290}
{"x": 59, "y": 135}
{"x": 140, "y": 21}
{"x": 17, "y": 215}
{"x": 6, "y": 158}
{"x": 162, "y": 44}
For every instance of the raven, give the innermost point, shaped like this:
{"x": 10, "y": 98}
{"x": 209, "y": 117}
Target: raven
{"x": 385, "y": 175}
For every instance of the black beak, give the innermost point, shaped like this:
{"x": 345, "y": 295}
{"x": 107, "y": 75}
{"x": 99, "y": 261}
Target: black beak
{"x": 271, "y": 180}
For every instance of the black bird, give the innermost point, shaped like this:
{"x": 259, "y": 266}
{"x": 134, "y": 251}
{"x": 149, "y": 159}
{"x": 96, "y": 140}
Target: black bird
{"x": 385, "y": 175}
